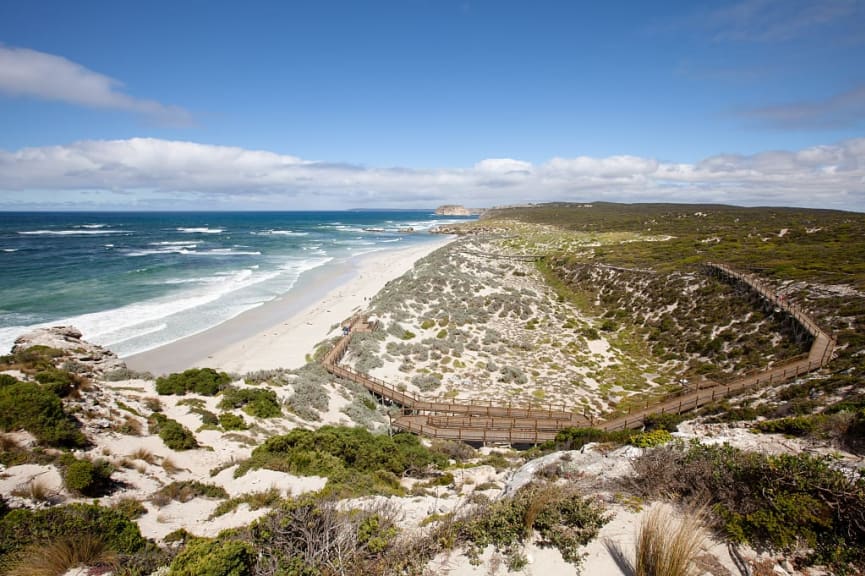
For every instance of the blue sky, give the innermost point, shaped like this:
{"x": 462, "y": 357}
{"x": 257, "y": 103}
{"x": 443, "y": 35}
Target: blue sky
{"x": 340, "y": 104}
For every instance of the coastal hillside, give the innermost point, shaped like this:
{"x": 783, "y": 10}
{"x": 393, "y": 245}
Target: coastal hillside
{"x": 589, "y": 311}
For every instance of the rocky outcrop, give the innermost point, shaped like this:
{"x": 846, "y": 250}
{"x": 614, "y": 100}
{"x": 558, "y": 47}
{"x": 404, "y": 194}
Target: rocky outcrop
{"x": 457, "y": 210}
{"x": 90, "y": 358}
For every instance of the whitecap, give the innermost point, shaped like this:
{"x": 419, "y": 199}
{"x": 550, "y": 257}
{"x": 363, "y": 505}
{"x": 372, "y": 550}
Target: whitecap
{"x": 201, "y": 230}
{"x": 71, "y": 232}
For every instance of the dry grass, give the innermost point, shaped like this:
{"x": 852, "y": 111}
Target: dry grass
{"x": 143, "y": 454}
{"x": 170, "y": 467}
{"x": 7, "y": 443}
{"x": 58, "y": 557}
{"x": 36, "y": 490}
{"x": 666, "y": 545}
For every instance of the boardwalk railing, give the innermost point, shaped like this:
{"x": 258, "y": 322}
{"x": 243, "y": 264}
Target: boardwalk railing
{"x": 494, "y": 423}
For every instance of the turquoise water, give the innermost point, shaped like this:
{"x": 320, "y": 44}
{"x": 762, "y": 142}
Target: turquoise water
{"x": 135, "y": 281}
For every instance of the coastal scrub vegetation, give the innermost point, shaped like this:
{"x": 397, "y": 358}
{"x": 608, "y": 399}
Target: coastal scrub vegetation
{"x": 256, "y": 402}
{"x": 30, "y": 406}
{"x": 24, "y": 533}
{"x": 203, "y": 381}
{"x": 355, "y": 461}
{"x": 85, "y": 477}
{"x": 317, "y": 534}
{"x": 801, "y": 505}
{"x": 175, "y": 435}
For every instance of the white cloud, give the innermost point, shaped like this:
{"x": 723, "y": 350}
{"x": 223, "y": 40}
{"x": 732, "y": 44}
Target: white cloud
{"x": 841, "y": 110}
{"x": 151, "y": 173}
{"x": 29, "y": 73}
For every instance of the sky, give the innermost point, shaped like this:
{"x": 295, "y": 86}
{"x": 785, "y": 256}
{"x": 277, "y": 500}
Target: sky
{"x": 289, "y": 105}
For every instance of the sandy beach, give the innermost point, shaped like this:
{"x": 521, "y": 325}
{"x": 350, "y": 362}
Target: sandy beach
{"x": 280, "y": 333}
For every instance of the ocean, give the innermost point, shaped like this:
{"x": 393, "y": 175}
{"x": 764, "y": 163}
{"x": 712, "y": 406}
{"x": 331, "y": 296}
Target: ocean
{"x": 136, "y": 281}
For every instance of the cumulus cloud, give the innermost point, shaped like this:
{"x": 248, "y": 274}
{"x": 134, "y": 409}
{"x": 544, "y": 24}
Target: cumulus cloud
{"x": 29, "y": 73}
{"x": 152, "y": 173}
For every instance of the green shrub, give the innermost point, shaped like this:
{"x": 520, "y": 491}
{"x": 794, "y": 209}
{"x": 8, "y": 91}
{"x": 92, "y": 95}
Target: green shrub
{"x": 650, "y": 439}
{"x": 559, "y": 515}
{"x": 794, "y": 426}
{"x": 349, "y": 457}
{"x": 230, "y": 421}
{"x": 27, "y": 405}
{"x": 669, "y": 422}
{"x": 254, "y": 401}
{"x": 58, "y": 382}
{"x": 800, "y": 504}
{"x": 186, "y": 490}
{"x": 442, "y": 334}
{"x": 21, "y": 528}
{"x": 427, "y": 324}
{"x": 204, "y": 381}
{"x": 576, "y": 438}
{"x": 214, "y": 558}
{"x": 130, "y": 507}
{"x": 175, "y": 435}
{"x": 34, "y": 358}
{"x": 87, "y": 478}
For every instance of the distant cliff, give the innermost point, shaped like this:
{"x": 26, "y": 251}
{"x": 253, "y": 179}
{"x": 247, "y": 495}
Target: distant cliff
{"x": 457, "y": 210}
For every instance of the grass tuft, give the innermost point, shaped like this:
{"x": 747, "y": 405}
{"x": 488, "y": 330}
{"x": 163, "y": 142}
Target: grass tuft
{"x": 667, "y": 545}
{"x": 58, "y": 557}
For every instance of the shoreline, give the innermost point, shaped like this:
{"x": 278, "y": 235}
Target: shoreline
{"x": 281, "y": 332}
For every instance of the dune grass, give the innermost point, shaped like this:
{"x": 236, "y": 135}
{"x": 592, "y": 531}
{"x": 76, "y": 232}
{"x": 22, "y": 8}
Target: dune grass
{"x": 666, "y": 545}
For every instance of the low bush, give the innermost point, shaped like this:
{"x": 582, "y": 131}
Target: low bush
{"x": 175, "y": 435}
{"x": 576, "y": 438}
{"x": 27, "y": 405}
{"x": 650, "y": 439}
{"x": 204, "y": 381}
{"x": 206, "y": 557}
{"x": 668, "y": 422}
{"x": 312, "y": 536}
{"x": 559, "y": 515}
{"x": 254, "y": 401}
{"x": 801, "y": 505}
{"x": 353, "y": 459}
{"x": 130, "y": 507}
{"x": 85, "y": 477}
{"x": 230, "y": 421}
{"x": 793, "y": 426}
{"x": 32, "y": 359}
{"x": 59, "y": 382}
{"x": 22, "y": 528}
{"x": 186, "y": 490}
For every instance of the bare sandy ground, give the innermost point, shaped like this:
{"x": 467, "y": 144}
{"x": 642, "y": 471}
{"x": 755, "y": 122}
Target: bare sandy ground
{"x": 280, "y": 333}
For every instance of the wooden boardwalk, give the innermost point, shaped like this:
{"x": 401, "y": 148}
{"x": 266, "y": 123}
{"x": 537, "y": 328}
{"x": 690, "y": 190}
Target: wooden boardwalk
{"x": 486, "y": 422}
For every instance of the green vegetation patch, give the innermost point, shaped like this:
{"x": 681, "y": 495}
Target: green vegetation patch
{"x": 354, "y": 460}
{"x": 31, "y": 360}
{"x": 186, "y": 490}
{"x": 86, "y": 478}
{"x": 31, "y": 407}
{"x": 254, "y": 401}
{"x": 21, "y": 528}
{"x": 206, "y": 557}
{"x": 559, "y": 515}
{"x": 175, "y": 435}
{"x": 800, "y": 505}
{"x": 204, "y": 381}
{"x": 230, "y": 421}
